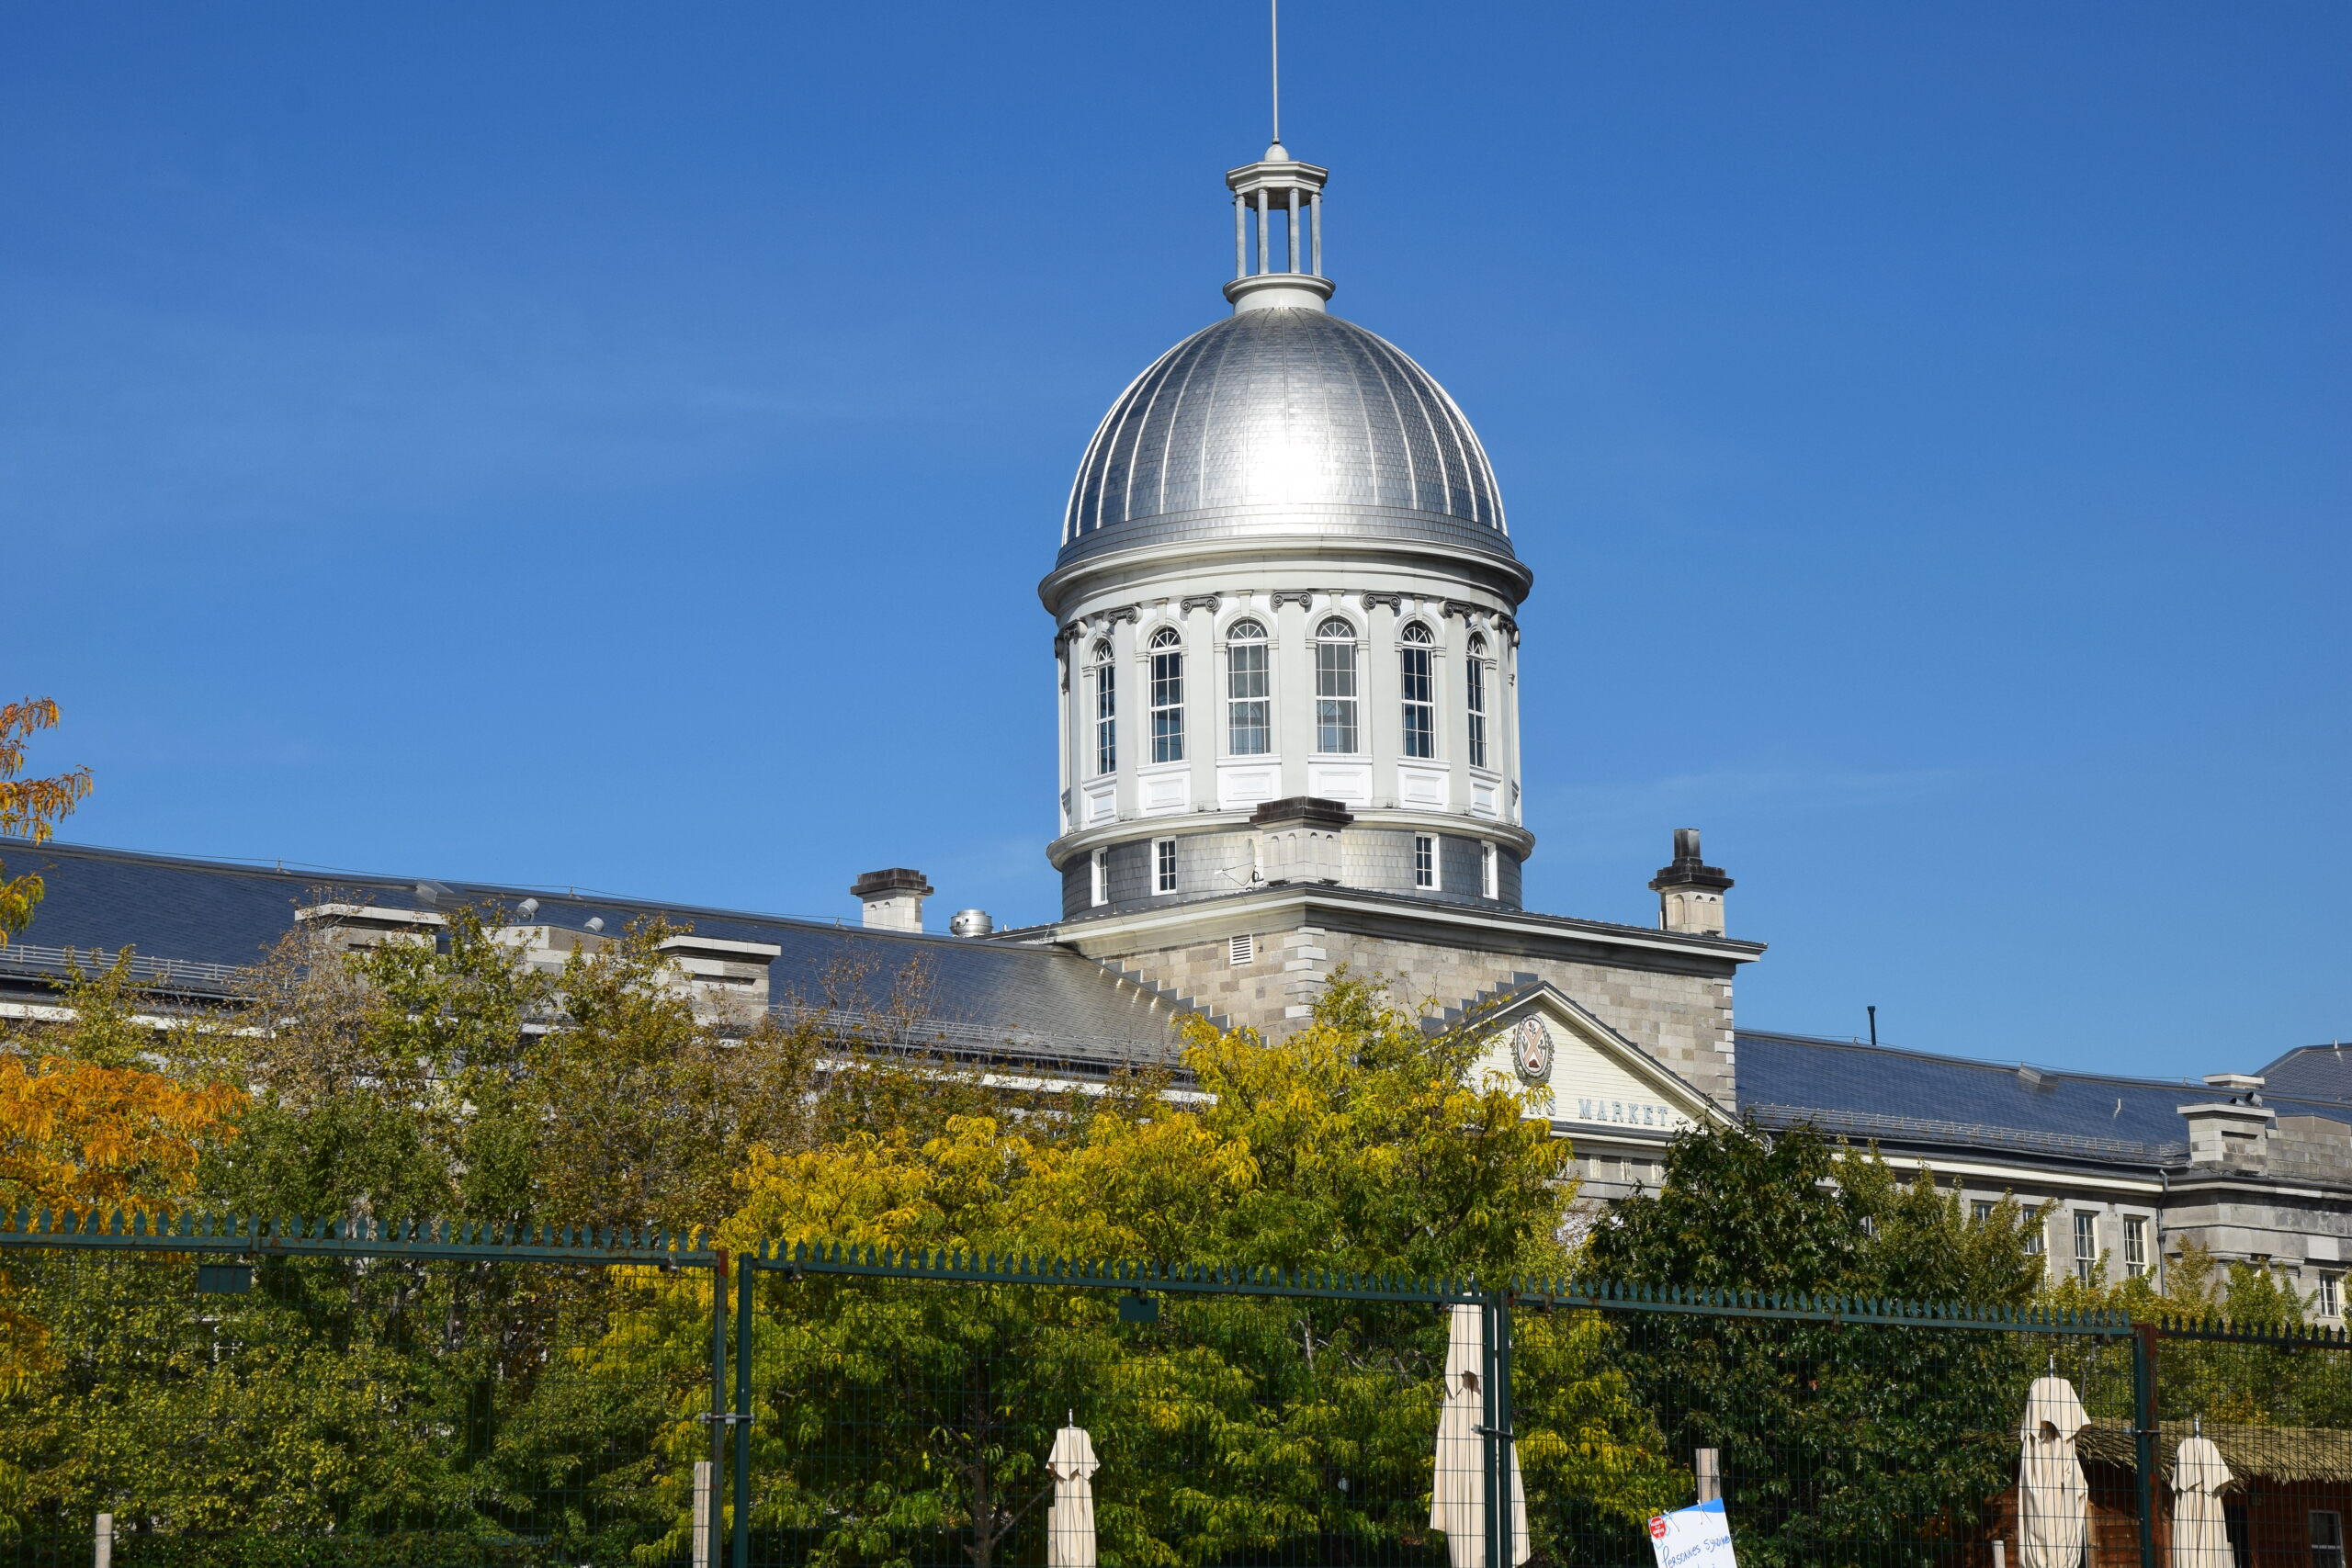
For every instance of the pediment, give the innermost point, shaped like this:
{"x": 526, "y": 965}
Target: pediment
{"x": 1600, "y": 1080}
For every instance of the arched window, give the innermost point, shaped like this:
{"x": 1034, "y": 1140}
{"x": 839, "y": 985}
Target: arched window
{"x": 1106, "y": 710}
{"x": 1421, "y": 692}
{"x": 1476, "y": 664}
{"x": 1247, "y": 691}
{"x": 1335, "y": 686}
{"x": 1167, "y": 647}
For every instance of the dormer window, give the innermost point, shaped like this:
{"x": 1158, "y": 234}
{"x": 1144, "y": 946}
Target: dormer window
{"x": 1421, "y": 691}
{"x": 1167, "y": 648}
{"x": 1106, "y": 710}
{"x": 1248, "y": 692}
{"x": 1335, "y": 686}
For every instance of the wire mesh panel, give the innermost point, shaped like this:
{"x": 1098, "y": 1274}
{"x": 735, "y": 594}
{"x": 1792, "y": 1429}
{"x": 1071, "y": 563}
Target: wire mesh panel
{"x": 2253, "y": 1446}
{"x": 345, "y": 1410}
{"x": 1862, "y": 1444}
{"x": 978, "y": 1424}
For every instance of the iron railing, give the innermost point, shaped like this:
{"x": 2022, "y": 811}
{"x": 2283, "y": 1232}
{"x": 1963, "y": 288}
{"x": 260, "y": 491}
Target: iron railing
{"x": 360, "y": 1392}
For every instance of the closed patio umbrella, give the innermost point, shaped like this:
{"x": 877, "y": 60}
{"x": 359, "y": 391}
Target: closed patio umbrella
{"x": 2054, "y": 1497}
{"x": 2199, "y": 1537}
{"x": 1458, "y": 1489}
{"x": 1070, "y": 1520}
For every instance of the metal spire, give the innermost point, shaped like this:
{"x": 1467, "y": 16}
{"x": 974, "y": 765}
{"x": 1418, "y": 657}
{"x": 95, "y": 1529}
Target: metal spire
{"x": 1274, "y": 29}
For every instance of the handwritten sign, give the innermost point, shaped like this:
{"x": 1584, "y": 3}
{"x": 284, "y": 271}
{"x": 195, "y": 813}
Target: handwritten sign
{"x": 1692, "y": 1537}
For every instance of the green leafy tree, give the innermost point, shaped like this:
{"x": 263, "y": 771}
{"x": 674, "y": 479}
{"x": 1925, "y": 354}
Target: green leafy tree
{"x": 1840, "y": 1445}
{"x": 896, "y": 1416}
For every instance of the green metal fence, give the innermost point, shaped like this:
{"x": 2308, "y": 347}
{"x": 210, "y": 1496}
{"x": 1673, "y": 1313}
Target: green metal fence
{"x": 181, "y": 1392}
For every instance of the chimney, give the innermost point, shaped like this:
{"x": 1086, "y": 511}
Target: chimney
{"x": 1690, "y": 892}
{"x": 893, "y": 898}
{"x": 1298, "y": 838}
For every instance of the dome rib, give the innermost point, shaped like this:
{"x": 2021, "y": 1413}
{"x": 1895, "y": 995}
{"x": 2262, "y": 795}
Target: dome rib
{"x": 1284, "y": 422}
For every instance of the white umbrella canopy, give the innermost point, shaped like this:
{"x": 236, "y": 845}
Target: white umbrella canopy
{"x": 1069, "y": 1519}
{"x": 2053, "y": 1496}
{"x": 1458, "y": 1490}
{"x": 2200, "y": 1537}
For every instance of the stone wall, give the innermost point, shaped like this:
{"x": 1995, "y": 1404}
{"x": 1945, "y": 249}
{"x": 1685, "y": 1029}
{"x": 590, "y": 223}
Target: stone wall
{"x": 2310, "y": 1148}
{"x": 1682, "y": 1019}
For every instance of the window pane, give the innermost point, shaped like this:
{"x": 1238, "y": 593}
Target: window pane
{"x": 1253, "y": 736}
{"x": 1167, "y": 705}
{"x": 1420, "y": 713}
{"x": 1476, "y": 669}
{"x": 1248, "y": 733}
{"x": 1106, "y": 714}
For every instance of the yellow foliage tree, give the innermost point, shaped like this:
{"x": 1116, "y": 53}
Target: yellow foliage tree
{"x": 77, "y": 1135}
{"x": 1358, "y": 1143}
{"x": 30, "y": 809}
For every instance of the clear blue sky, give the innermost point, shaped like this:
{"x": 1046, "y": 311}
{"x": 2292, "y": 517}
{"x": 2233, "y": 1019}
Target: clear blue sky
{"x": 617, "y": 445}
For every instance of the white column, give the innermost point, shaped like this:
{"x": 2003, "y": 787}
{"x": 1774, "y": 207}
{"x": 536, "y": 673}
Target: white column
{"x": 1131, "y": 727}
{"x": 1204, "y": 702}
{"x": 1293, "y": 686}
{"x": 1380, "y": 708}
{"x": 1453, "y": 676}
{"x": 1506, "y": 647}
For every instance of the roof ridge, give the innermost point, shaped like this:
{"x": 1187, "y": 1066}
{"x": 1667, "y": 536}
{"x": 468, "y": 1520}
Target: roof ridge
{"x": 303, "y": 871}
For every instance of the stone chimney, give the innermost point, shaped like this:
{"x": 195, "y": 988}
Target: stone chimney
{"x": 893, "y": 898}
{"x": 2232, "y": 1133}
{"x": 1298, "y": 838}
{"x": 1690, "y": 892}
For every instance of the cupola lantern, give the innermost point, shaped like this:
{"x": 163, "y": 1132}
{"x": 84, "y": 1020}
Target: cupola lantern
{"x": 1279, "y": 201}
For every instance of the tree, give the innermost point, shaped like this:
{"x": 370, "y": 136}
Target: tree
{"x": 1840, "y": 1445}
{"x": 893, "y": 1414}
{"x": 30, "y": 808}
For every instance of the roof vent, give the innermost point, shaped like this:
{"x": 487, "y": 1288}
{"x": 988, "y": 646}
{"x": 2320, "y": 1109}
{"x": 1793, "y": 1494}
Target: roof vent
{"x": 971, "y": 922}
{"x": 2032, "y": 1078}
{"x": 528, "y": 908}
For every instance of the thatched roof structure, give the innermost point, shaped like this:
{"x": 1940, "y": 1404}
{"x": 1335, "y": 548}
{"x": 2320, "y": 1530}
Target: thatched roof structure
{"x": 2268, "y": 1453}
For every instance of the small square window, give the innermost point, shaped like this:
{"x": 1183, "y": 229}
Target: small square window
{"x": 1424, "y": 860}
{"x": 1163, "y": 865}
{"x": 1981, "y": 1210}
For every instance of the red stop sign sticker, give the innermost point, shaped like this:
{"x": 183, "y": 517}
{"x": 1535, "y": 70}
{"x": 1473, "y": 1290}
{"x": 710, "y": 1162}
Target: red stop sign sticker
{"x": 1658, "y": 1528}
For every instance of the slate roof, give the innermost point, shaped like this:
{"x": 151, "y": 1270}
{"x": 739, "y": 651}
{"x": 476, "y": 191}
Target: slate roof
{"x": 1909, "y": 1098}
{"x": 206, "y": 916}
{"x": 2311, "y": 1072}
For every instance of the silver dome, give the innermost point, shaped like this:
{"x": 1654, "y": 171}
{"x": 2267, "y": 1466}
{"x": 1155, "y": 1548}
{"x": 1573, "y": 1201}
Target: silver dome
{"x": 1284, "y": 422}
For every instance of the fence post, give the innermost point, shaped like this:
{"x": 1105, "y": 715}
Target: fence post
{"x": 1710, "y": 1472}
{"x": 1502, "y": 1523}
{"x": 2143, "y": 1433}
{"x": 698, "y": 1552}
{"x": 102, "y": 1548}
{"x": 740, "y": 1555}
{"x": 708, "y": 1526}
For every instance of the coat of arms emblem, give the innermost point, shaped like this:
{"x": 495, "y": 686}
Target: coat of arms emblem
{"x": 1531, "y": 1050}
